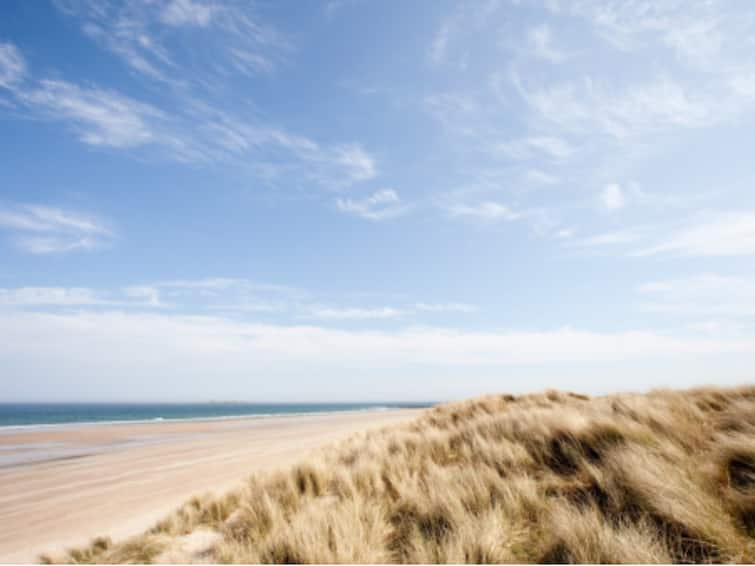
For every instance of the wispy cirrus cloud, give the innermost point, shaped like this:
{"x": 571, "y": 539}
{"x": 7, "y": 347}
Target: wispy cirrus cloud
{"x": 326, "y": 312}
{"x": 455, "y": 27}
{"x": 149, "y": 294}
{"x": 705, "y": 35}
{"x": 354, "y": 313}
{"x": 706, "y": 294}
{"x": 614, "y": 238}
{"x": 439, "y": 44}
{"x": 541, "y": 43}
{"x": 30, "y": 298}
{"x": 595, "y": 125}
{"x": 380, "y": 205}
{"x": 47, "y": 230}
{"x": 192, "y": 132}
{"x": 490, "y": 211}
{"x": 51, "y": 296}
{"x": 99, "y": 117}
{"x": 553, "y": 147}
{"x": 143, "y": 35}
{"x": 538, "y": 177}
{"x": 12, "y": 65}
{"x": 234, "y": 297}
{"x": 445, "y": 307}
{"x": 591, "y": 106}
{"x": 188, "y": 12}
{"x": 729, "y": 234}
{"x": 251, "y": 63}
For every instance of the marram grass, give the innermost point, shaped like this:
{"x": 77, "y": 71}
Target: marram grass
{"x": 555, "y": 477}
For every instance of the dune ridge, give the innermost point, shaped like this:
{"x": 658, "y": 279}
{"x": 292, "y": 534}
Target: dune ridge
{"x": 667, "y": 476}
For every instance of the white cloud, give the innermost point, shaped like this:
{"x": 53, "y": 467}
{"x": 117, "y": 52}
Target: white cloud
{"x": 708, "y": 294}
{"x": 248, "y": 307}
{"x": 356, "y": 162}
{"x": 356, "y": 313}
{"x": 456, "y": 25}
{"x": 151, "y": 295}
{"x": 157, "y": 356}
{"x": 445, "y": 307}
{"x": 224, "y": 137}
{"x": 148, "y": 36}
{"x": 245, "y": 296}
{"x": 655, "y": 106}
{"x": 230, "y": 295}
{"x": 213, "y": 283}
{"x": 44, "y": 229}
{"x": 608, "y": 239}
{"x": 192, "y": 130}
{"x": 251, "y": 63}
{"x": 100, "y": 117}
{"x": 460, "y": 113}
{"x": 743, "y": 84}
{"x": 541, "y": 177}
{"x": 152, "y": 343}
{"x": 703, "y": 34}
{"x": 134, "y": 46}
{"x": 730, "y": 234}
{"x": 22, "y": 297}
{"x": 12, "y": 65}
{"x": 50, "y": 296}
{"x": 188, "y": 13}
{"x": 196, "y": 133}
{"x": 47, "y": 219}
{"x": 227, "y": 295}
{"x": 381, "y": 205}
{"x": 612, "y": 197}
{"x": 41, "y": 245}
{"x": 541, "y": 43}
{"x": 334, "y": 6}
{"x": 552, "y": 146}
{"x": 485, "y": 210}
{"x": 439, "y": 43}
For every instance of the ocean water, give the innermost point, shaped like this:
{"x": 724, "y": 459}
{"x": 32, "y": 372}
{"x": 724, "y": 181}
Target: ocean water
{"x": 39, "y": 414}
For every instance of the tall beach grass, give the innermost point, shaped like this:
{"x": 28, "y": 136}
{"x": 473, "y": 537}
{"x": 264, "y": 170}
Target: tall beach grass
{"x": 667, "y": 476}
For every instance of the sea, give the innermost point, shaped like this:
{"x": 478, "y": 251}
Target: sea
{"x": 22, "y": 415}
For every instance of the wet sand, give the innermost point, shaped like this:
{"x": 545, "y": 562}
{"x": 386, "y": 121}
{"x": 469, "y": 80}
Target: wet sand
{"x": 62, "y": 486}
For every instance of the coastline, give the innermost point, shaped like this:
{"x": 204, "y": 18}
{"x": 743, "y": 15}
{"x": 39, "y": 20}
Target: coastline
{"x": 329, "y": 409}
{"x": 118, "y": 479}
{"x": 10, "y": 429}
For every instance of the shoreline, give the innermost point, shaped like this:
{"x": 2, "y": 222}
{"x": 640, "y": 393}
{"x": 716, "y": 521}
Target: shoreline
{"x": 119, "y": 479}
{"x": 9, "y": 429}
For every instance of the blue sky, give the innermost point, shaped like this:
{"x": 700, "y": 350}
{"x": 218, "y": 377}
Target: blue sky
{"x": 353, "y": 200}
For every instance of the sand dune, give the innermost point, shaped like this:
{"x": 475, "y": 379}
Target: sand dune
{"x": 554, "y": 477}
{"x": 119, "y": 479}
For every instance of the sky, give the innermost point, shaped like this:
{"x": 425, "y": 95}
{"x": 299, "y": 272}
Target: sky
{"x": 353, "y": 200}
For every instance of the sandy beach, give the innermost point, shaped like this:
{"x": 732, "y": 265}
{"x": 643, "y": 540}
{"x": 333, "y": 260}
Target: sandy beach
{"x": 61, "y": 486}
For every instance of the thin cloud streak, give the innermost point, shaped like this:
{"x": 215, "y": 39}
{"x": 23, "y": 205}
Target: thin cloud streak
{"x": 192, "y": 132}
{"x": 731, "y": 234}
{"x": 381, "y": 205}
{"x": 48, "y": 230}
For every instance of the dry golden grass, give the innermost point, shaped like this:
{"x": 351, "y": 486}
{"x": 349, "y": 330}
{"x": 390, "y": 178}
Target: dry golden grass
{"x": 554, "y": 477}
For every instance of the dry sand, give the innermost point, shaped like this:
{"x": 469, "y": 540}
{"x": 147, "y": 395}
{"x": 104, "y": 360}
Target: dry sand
{"x": 119, "y": 479}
